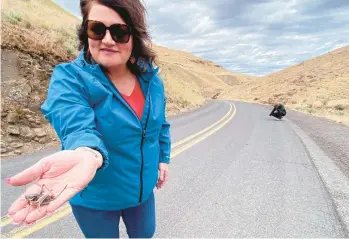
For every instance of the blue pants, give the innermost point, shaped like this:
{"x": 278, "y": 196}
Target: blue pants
{"x": 139, "y": 221}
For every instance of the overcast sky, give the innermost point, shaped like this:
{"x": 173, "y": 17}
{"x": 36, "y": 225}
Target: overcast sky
{"x": 255, "y": 37}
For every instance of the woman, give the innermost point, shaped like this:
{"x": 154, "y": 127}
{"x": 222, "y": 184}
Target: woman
{"x": 108, "y": 109}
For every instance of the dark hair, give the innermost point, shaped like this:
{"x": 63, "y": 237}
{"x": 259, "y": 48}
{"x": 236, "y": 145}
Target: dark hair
{"x": 133, "y": 13}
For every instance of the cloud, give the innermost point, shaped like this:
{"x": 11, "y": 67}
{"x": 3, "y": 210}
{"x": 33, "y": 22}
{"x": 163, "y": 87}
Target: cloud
{"x": 247, "y": 36}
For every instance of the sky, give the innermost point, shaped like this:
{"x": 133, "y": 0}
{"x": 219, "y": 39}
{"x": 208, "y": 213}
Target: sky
{"x": 255, "y": 37}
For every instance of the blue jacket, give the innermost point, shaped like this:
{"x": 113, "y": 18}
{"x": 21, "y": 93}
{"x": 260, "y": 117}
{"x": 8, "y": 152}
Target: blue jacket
{"x": 86, "y": 109}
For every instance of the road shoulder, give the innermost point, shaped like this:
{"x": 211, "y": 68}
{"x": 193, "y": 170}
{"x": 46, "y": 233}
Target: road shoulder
{"x": 335, "y": 181}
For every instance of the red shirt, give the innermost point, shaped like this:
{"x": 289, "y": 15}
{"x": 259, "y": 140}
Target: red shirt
{"x": 136, "y": 100}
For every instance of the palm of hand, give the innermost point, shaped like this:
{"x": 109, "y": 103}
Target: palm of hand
{"x": 65, "y": 168}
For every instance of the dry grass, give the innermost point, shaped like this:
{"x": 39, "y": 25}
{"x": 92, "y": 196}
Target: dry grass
{"x": 48, "y": 32}
{"x": 191, "y": 79}
{"x": 319, "y": 86}
{"x": 51, "y": 33}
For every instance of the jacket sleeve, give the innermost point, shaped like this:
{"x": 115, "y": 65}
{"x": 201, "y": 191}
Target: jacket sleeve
{"x": 68, "y": 111}
{"x": 165, "y": 140}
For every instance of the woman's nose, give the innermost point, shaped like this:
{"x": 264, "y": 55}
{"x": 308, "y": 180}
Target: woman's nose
{"x": 108, "y": 39}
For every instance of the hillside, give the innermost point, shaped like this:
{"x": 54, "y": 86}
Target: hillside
{"x": 189, "y": 80}
{"x": 33, "y": 42}
{"x": 319, "y": 86}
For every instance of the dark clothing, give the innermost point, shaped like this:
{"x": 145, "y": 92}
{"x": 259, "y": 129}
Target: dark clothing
{"x": 278, "y": 111}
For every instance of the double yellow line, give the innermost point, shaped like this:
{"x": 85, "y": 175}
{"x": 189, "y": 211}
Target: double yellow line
{"x": 203, "y": 134}
{"x": 65, "y": 210}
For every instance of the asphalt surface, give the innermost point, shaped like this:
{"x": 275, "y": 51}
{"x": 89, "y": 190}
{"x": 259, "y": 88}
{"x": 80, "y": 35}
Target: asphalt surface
{"x": 329, "y": 135}
{"x": 252, "y": 178}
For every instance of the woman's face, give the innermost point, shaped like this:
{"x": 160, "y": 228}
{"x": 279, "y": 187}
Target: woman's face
{"x": 107, "y": 52}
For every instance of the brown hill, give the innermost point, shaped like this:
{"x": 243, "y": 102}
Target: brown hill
{"x": 319, "y": 86}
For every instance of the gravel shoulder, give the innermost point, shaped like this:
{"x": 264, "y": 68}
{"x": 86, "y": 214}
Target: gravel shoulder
{"x": 331, "y": 137}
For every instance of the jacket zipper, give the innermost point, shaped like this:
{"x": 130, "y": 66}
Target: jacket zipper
{"x": 141, "y": 172}
{"x": 143, "y": 137}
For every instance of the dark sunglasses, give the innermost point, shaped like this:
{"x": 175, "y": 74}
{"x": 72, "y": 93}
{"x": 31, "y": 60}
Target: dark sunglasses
{"x": 119, "y": 32}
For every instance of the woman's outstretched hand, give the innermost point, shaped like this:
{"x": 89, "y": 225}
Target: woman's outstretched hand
{"x": 67, "y": 170}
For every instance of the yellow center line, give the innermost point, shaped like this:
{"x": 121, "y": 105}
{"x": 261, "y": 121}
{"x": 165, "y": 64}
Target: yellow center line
{"x": 203, "y": 130}
{"x": 187, "y": 146}
{"x": 65, "y": 210}
{"x": 5, "y": 221}
{"x": 24, "y": 231}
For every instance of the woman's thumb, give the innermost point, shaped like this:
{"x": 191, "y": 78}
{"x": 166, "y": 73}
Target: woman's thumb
{"x": 28, "y": 175}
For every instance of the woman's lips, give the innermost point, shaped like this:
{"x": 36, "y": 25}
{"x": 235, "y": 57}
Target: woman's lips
{"x": 108, "y": 51}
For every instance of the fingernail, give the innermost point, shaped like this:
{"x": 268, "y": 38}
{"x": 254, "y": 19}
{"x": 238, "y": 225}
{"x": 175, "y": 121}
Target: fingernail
{"x": 8, "y": 181}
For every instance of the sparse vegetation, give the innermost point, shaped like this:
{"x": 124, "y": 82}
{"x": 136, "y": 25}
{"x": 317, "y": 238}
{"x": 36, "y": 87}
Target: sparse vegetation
{"x": 14, "y": 17}
{"x": 339, "y": 107}
{"x": 20, "y": 112}
{"x": 339, "y": 112}
{"x": 324, "y": 102}
{"x": 310, "y": 110}
{"x": 49, "y": 33}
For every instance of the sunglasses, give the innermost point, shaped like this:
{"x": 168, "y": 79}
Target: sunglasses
{"x": 120, "y": 33}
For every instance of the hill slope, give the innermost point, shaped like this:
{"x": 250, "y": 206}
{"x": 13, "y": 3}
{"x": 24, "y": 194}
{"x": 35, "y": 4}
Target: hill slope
{"x": 33, "y": 42}
{"x": 319, "y": 86}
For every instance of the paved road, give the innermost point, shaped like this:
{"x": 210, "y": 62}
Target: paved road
{"x": 251, "y": 178}
{"x": 329, "y": 135}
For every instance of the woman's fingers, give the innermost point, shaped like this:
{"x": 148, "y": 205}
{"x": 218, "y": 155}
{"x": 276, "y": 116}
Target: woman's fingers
{"x": 21, "y": 202}
{"x": 28, "y": 175}
{"x": 36, "y": 214}
{"x": 29, "y": 214}
{"x": 20, "y": 211}
{"x": 162, "y": 178}
{"x": 165, "y": 175}
{"x": 20, "y": 216}
{"x": 162, "y": 174}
